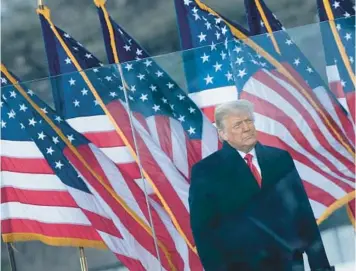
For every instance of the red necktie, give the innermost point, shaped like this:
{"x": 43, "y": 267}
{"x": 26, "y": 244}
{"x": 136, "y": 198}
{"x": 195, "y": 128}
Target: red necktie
{"x": 248, "y": 157}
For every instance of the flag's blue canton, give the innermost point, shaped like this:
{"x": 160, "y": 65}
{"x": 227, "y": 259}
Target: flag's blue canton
{"x": 11, "y": 130}
{"x": 255, "y": 21}
{"x": 290, "y": 52}
{"x": 340, "y": 9}
{"x": 151, "y": 90}
{"x": 242, "y": 60}
{"x": 246, "y": 63}
{"x": 71, "y": 93}
{"x": 124, "y": 42}
{"x": 20, "y": 121}
{"x": 207, "y": 66}
{"x": 344, "y": 14}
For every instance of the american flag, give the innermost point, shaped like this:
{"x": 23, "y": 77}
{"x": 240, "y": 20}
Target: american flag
{"x": 155, "y": 86}
{"x": 35, "y": 203}
{"x": 286, "y": 118}
{"x": 86, "y": 175}
{"x": 261, "y": 20}
{"x": 338, "y": 33}
{"x": 208, "y": 67}
{"x": 150, "y": 108}
{"x": 159, "y": 112}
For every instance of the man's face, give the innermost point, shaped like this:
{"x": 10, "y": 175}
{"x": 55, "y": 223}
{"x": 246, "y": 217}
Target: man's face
{"x": 239, "y": 131}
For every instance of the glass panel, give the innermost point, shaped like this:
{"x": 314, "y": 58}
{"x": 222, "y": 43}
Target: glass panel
{"x": 209, "y": 86}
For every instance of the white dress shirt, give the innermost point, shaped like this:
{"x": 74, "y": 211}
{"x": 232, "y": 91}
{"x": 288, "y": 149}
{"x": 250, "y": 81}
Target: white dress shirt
{"x": 254, "y": 159}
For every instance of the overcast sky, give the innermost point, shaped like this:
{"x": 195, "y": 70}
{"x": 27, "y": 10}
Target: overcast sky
{"x": 152, "y": 23}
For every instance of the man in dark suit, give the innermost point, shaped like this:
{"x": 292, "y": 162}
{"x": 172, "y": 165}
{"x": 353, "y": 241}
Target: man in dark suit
{"x": 229, "y": 181}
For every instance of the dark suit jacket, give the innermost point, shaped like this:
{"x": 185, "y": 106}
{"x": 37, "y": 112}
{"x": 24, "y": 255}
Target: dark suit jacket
{"x": 222, "y": 189}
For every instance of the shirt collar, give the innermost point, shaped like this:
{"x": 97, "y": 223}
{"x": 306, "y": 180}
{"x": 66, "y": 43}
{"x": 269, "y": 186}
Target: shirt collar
{"x": 252, "y": 152}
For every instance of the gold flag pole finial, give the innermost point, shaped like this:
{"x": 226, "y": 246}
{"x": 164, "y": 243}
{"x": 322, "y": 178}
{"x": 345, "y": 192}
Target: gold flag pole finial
{"x": 99, "y": 3}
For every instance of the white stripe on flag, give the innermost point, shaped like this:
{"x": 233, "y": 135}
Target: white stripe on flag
{"x": 332, "y": 73}
{"x": 179, "y": 242}
{"x": 97, "y": 123}
{"x": 256, "y": 88}
{"x": 147, "y": 187}
{"x": 117, "y": 181}
{"x": 119, "y": 155}
{"x": 333, "y": 142}
{"x": 151, "y": 123}
{"x": 209, "y": 97}
{"x": 20, "y": 149}
{"x": 272, "y": 127}
{"x": 86, "y": 201}
{"x": 27, "y": 181}
{"x": 318, "y": 208}
{"x": 171, "y": 173}
{"x": 46, "y": 214}
{"x": 179, "y": 146}
{"x": 210, "y": 138}
{"x": 134, "y": 249}
{"x": 315, "y": 178}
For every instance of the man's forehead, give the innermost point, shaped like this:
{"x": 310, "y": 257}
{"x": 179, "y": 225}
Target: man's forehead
{"x": 238, "y": 116}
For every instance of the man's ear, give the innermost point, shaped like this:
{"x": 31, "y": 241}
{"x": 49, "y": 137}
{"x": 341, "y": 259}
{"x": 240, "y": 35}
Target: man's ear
{"x": 222, "y": 135}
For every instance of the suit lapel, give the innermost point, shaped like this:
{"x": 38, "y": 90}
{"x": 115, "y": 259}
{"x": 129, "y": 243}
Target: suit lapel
{"x": 265, "y": 166}
{"x": 238, "y": 172}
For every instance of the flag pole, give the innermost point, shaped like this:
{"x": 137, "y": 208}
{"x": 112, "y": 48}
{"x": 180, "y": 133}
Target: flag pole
{"x": 82, "y": 260}
{"x": 40, "y": 4}
{"x": 125, "y": 87}
{"x": 10, "y": 251}
{"x": 101, "y": 4}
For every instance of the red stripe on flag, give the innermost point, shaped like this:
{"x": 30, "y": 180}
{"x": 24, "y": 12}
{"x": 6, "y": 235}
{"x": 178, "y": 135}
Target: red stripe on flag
{"x": 103, "y": 224}
{"x": 130, "y": 169}
{"x": 194, "y": 150}
{"x": 105, "y": 139}
{"x": 337, "y": 89}
{"x": 160, "y": 230}
{"x": 36, "y": 197}
{"x": 267, "y": 109}
{"x": 209, "y": 112}
{"x": 25, "y": 165}
{"x": 130, "y": 222}
{"x": 141, "y": 119}
{"x": 274, "y": 112}
{"x": 345, "y": 122}
{"x": 274, "y": 141}
{"x": 194, "y": 262}
{"x": 154, "y": 171}
{"x": 164, "y": 134}
{"x": 17, "y": 225}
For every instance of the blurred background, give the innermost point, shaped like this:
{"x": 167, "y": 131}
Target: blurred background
{"x": 153, "y": 24}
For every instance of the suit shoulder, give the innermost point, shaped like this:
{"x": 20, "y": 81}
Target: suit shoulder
{"x": 277, "y": 152}
{"x": 209, "y": 161}
{"x": 280, "y": 157}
